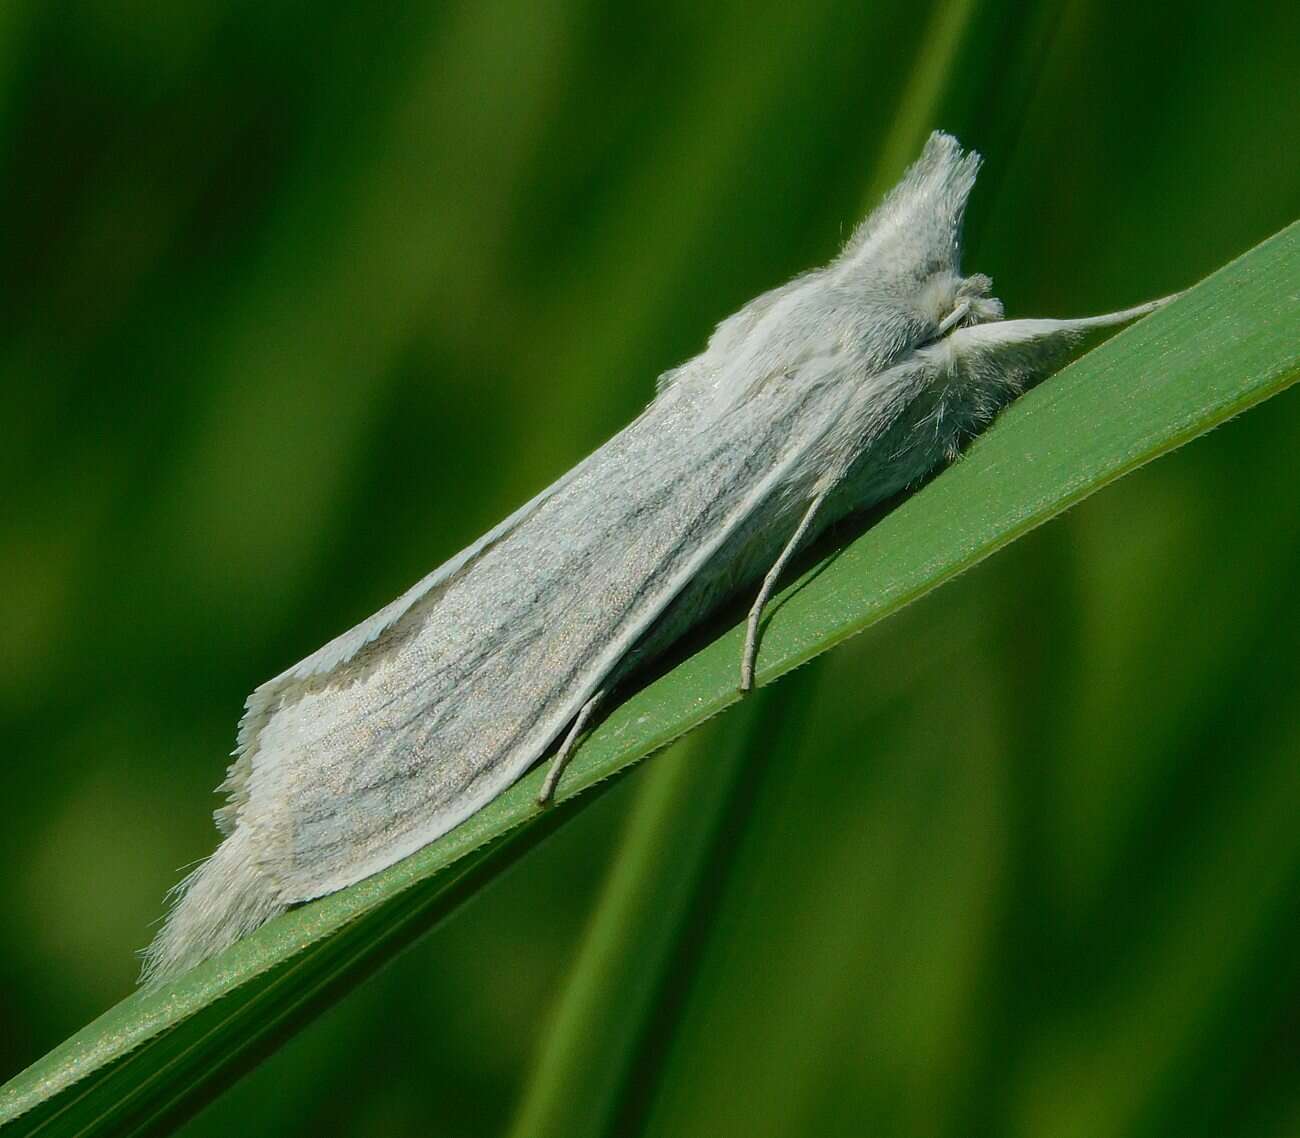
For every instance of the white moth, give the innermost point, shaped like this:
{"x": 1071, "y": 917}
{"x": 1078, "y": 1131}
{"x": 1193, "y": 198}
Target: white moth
{"x": 820, "y": 397}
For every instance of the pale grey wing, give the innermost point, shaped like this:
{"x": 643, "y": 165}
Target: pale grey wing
{"x": 462, "y": 695}
{"x": 355, "y": 768}
{"x": 346, "y": 645}
{"x": 232, "y": 892}
{"x": 267, "y": 696}
{"x": 347, "y": 770}
{"x": 411, "y": 722}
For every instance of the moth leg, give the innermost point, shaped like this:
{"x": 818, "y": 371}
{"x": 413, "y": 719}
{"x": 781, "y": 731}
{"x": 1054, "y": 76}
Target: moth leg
{"x": 565, "y": 753}
{"x": 749, "y": 655}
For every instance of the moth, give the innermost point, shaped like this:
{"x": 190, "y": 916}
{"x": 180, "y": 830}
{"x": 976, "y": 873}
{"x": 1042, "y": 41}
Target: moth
{"x": 821, "y": 397}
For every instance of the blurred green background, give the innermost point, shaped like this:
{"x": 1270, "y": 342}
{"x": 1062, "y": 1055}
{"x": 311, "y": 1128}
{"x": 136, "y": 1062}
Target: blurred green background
{"x": 299, "y": 299}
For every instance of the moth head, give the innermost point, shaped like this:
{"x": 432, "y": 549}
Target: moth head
{"x": 949, "y": 301}
{"x": 907, "y": 252}
{"x": 906, "y": 257}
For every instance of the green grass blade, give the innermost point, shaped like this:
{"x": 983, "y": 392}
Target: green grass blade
{"x": 611, "y": 989}
{"x": 1230, "y": 343}
{"x": 601, "y": 1056}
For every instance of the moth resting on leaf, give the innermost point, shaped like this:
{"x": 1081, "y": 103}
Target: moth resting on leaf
{"x": 821, "y": 397}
